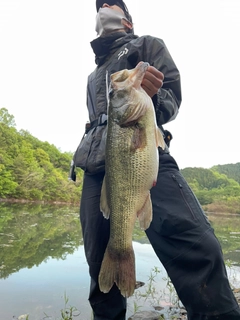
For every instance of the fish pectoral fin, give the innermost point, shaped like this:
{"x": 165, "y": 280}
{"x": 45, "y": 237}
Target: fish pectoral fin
{"x": 145, "y": 213}
{"x": 159, "y": 138}
{"x": 103, "y": 201}
{"x": 139, "y": 139}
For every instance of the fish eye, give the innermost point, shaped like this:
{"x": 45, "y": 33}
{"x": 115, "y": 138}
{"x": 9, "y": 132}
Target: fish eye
{"x": 110, "y": 91}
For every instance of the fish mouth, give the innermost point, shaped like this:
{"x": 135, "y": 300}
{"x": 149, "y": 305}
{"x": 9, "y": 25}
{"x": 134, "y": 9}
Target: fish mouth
{"x": 138, "y": 73}
{"x": 126, "y": 84}
{"x": 135, "y": 76}
{"x": 142, "y": 66}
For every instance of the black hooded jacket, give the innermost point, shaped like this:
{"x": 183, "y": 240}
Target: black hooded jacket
{"x": 124, "y": 51}
{"x": 114, "y": 53}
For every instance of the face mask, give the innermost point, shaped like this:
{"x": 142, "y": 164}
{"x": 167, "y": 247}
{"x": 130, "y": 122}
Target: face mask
{"x": 109, "y": 20}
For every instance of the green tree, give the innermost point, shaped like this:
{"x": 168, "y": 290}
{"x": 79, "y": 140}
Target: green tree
{"x": 34, "y": 170}
{"x": 7, "y": 118}
{"x": 215, "y": 190}
{"x": 7, "y": 183}
{"x": 231, "y": 170}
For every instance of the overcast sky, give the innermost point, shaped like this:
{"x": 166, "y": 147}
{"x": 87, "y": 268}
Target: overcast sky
{"x": 45, "y": 58}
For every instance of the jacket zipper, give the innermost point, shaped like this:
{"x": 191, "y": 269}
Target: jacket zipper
{"x": 183, "y": 196}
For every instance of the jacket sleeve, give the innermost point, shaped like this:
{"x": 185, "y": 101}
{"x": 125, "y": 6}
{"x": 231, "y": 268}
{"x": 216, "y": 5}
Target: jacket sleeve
{"x": 168, "y": 99}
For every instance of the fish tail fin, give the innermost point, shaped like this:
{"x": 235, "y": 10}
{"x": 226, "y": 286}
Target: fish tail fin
{"x": 119, "y": 268}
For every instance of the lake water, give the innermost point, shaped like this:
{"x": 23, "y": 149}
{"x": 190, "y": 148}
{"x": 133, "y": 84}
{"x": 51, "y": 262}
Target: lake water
{"x": 42, "y": 261}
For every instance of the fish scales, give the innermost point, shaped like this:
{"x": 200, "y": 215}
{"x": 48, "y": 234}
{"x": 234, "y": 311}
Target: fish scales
{"x": 130, "y": 172}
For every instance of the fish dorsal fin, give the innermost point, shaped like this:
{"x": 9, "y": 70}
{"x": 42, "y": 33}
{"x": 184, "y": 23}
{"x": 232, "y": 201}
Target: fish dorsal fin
{"x": 107, "y": 87}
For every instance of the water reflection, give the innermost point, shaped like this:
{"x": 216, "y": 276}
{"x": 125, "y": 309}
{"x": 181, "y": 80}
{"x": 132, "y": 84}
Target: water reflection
{"x": 30, "y": 234}
{"x": 227, "y": 229}
{"x": 42, "y": 255}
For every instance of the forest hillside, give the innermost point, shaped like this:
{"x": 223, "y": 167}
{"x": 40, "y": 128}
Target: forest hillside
{"x": 31, "y": 169}
{"x": 34, "y": 170}
{"x": 216, "y": 188}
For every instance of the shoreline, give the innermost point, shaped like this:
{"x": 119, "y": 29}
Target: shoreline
{"x": 23, "y": 201}
{"x": 171, "y": 312}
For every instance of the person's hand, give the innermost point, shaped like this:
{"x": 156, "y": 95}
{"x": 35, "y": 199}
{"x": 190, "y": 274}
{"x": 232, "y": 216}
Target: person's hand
{"x": 152, "y": 81}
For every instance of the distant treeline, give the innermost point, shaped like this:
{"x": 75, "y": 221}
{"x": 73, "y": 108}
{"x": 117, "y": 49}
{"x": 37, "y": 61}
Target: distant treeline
{"x": 34, "y": 170}
{"x": 218, "y": 188}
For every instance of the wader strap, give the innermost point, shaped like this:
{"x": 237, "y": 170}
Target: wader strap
{"x": 100, "y": 121}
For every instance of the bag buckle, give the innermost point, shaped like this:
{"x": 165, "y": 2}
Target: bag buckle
{"x": 102, "y": 119}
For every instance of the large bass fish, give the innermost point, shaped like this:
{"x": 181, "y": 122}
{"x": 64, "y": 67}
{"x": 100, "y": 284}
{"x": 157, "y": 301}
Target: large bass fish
{"x": 131, "y": 171}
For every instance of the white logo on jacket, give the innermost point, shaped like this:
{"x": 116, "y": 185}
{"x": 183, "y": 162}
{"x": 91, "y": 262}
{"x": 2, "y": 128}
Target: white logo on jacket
{"x": 122, "y": 53}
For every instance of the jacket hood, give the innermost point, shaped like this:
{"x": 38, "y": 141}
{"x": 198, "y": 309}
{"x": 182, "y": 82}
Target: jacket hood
{"x": 103, "y": 46}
